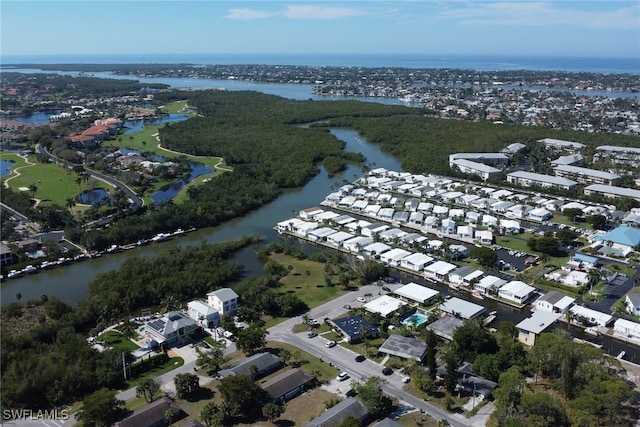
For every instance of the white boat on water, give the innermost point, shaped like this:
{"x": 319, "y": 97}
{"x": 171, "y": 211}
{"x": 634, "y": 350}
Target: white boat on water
{"x": 593, "y": 331}
{"x": 160, "y": 237}
{"x": 13, "y": 274}
{"x": 30, "y": 269}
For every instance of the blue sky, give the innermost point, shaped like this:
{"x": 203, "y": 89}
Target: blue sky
{"x": 560, "y": 28}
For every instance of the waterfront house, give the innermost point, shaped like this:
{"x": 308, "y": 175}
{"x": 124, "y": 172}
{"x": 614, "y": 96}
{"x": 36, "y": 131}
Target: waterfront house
{"x": 415, "y": 292}
{"x": 309, "y": 213}
{"x": 627, "y": 329}
{"x": 448, "y": 226}
{"x": 516, "y": 291}
{"x": 376, "y": 248}
{"x": 445, "y": 326}
{"x": 320, "y": 234}
{"x": 489, "y": 285}
{"x": 337, "y": 239}
{"x": 632, "y": 303}
{"x": 461, "y": 309}
{"x": 394, "y": 256}
{"x": 439, "y": 270}
{"x": 531, "y": 327}
{"x": 464, "y": 275}
{"x": 588, "y": 316}
{"x": 416, "y": 218}
{"x": 356, "y": 244}
{"x": 224, "y": 300}
{"x": 554, "y": 302}
{"x": 416, "y": 261}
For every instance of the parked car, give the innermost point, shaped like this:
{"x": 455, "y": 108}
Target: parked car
{"x": 351, "y": 393}
{"x": 361, "y": 299}
{"x": 342, "y": 376}
{"x": 347, "y": 307}
{"x": 360, "y": 358}
{"x": 386, "y": 288}
{"x": 330, "y": 344}
{"x": 312, "y": 334}
{"x": 387, "y": 371}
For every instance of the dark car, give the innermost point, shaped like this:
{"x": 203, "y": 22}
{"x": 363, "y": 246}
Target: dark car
{"x": 360, "y": 358}
{"x": 386, "y": 288}
{"x": 387, "y": 371}
{"x": 312, "y": 334}
{"x": 351, "y": 393}
{"x": 346, "y": 306}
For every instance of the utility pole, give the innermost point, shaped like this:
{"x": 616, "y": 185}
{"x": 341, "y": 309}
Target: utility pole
{"x": 124, "y": 367}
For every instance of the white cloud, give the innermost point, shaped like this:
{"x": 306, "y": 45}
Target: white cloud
{"x": 246, "y": 14}
{"x": 321, "y": 12}
{"x": 542, "y": 14}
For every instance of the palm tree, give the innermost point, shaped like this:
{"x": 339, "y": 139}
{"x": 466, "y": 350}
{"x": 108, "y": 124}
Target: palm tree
{"x": 168, "y": 303}
{"x": 18, "y": 296}
{"x": 33, "y": 188}
{"x": 70, "y": 203}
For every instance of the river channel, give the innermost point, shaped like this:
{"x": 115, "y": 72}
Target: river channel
{"x": 70, "y": 283}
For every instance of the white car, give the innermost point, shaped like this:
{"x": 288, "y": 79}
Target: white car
{"x": 330, "y": 344}
{"x": 342, "y": 376}
{"x": 361, "y": 299}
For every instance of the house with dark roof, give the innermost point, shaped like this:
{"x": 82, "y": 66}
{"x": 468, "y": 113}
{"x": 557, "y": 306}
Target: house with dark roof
{"x": 173, "y": 328}
{"x": 445, "y": 326}
{"x": 287, "y": 385}
{"x": 469, "y": 382}
{"x": 405, "y": 347}
{"x": 265, "y": 364}
{"x": 352, "y": 328}
{"x": 335, "y": 415}
{"x": 154, "y": 414}
{"x": 387, "y": 422}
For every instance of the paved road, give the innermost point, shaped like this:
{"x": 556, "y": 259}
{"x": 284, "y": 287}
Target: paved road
{"x": 344, "y": 359}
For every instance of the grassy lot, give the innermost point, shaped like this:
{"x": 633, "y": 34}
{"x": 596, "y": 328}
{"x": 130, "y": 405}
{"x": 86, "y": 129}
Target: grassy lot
{"x": 116, "y": 340}
{"x": 169, "y": 365}
{"x": 372, "y": 348}
{"x": 417, "y": 419}
{"x": 305, "y": 279}
{"x": 175, "y": 107}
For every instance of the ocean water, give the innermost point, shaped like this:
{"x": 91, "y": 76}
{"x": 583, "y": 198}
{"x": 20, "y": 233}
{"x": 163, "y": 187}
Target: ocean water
{"x": 467, "y": 62}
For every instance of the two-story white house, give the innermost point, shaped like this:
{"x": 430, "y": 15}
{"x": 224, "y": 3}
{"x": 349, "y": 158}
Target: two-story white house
{"x": 224, "y": 300}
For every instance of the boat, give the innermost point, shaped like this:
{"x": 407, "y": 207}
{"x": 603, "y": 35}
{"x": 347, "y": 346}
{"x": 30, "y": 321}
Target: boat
{"x": 581, "y": 341}
{"x": 113, "y": 249}
{"x": 13, "y": 274}
{"x": 621, "y": 355}
{"x": 143, "y": 242}
{"x": 592, "y": 331}
{"x": 477, "y": 295}
{"x": 30, "y": 269}
{"x": 178, "y": 232}
{"x": 160, "y": 237}
{"x": 490, "y": 318}
{"x": 47, "y": 265}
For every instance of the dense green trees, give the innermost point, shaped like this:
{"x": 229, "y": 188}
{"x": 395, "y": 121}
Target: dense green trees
{"x": 372, "y": 396}
{"x": 187, "y": 385}
{"x": 100, "y": 409}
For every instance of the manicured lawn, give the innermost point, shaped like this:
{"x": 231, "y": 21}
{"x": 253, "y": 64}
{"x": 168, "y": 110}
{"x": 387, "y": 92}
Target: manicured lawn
{"x": 417, "y": 419}
{"x": 169, "y": 365}
{"x": 175, "y": 107}
{"x": 116, "y": 340}
{"x": 54, "y": 184}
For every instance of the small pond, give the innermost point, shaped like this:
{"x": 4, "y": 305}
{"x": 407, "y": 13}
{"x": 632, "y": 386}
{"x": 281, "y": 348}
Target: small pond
{"x": 91, "y": 197}
{"x": 168, "y": 192}
{"x": 4, "y": 167}
{"x": 138, "y": 125}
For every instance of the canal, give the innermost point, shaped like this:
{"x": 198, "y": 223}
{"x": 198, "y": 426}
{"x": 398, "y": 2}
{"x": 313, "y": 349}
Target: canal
{"x": 70, "y": 283}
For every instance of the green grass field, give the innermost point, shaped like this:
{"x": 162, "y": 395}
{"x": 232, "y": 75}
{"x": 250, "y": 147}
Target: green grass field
{"x": 169, "y": 365}
{"x": 116, "y": 340}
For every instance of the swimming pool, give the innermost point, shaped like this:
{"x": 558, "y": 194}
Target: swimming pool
{"x": 416, "y": 319}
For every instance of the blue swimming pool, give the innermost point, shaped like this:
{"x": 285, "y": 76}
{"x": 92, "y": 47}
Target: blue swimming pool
{"x": 416, "y": 319}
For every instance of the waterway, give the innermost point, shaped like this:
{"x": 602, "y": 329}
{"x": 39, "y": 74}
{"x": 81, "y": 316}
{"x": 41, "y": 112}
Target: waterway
{"x": 5, "y": 167}
{"x": 70, "y": 283}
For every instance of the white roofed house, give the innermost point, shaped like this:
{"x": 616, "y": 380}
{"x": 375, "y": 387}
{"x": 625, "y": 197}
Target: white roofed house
{"x": 588, "y": 316}
{"x": 484, "y": 236}
{"x": 203, "y": 313}
{"x": 516, "y": 291}
{"x": 386, "y": 214}
{"x": 356, "y": 244}
{"x": 374, "y": 229}
{"x": 375, "y": 248}
{"x": 527, "y": 179}
{"x": 632, "y": 304}
{"x": 225, "y": 300}
{"x": 320, "y": 234}
{"x": 392, "y": 234}
{"x": 359, "y": 205}
{"x": 464, "y": 275}
{"x": 473, "y": 218}
{"x": 401, "y": 217}
{"x": 465, "y": 231}
{"x": 416, "y": 261}
{"x": 554, "y": 302}
{"x": 530, "y": 328}
{"x": 310, "y": 212}
{"x": 416, "y": 218}
{"x": 462, "y": 309}
{"x": 540, "y": 214}
{"x": 394, "y": 256}
{"x": 372, "y": 209}
{"x": 489, "y": 221}
{"x": 510, "y": 225}
{"x": 627, "y": 329}
{"x": 448, "y": 226}
{"x": 337, "y": 239}
{"x": 415, "y": 292}
{"x": 489, "y": 285}
{"x": 439, "y": 270}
